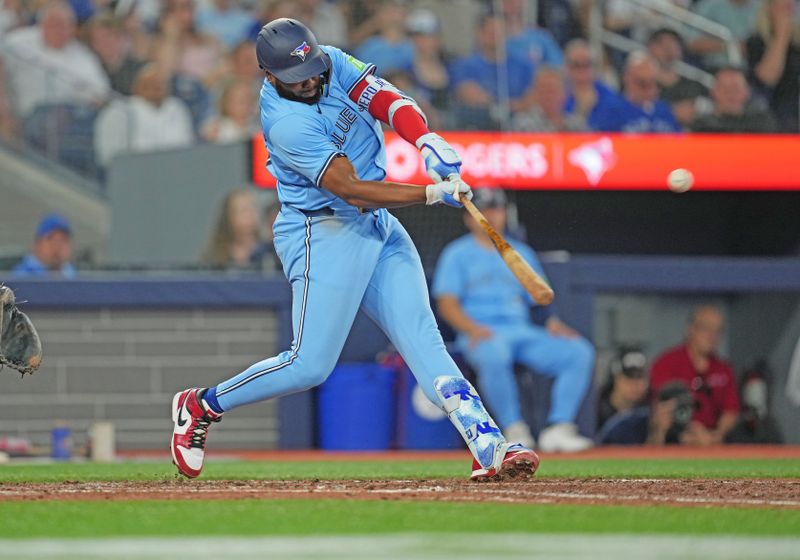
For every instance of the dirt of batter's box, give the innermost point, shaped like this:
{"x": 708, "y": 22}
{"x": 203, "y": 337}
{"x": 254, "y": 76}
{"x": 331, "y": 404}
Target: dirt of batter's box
{"x": 745, "y": 493}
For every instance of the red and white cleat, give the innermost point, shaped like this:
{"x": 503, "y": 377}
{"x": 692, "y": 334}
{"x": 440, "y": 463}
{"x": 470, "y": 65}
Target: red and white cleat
{"x": 518, "y": 462}
{"x": 192, "y": 421}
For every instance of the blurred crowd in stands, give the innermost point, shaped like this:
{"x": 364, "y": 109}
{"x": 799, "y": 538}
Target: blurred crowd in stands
{"x": 142, "y": 75}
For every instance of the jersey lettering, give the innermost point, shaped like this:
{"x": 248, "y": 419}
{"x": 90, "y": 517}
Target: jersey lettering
{"x": 344, "y": 122}
{"x": 374, "y": 85}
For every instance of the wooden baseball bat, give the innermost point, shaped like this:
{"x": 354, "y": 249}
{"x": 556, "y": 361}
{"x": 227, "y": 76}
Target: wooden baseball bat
{"x": 530, "y": 280}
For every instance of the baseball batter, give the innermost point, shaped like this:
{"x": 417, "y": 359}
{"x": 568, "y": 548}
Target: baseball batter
{"x": 321, "y": 114}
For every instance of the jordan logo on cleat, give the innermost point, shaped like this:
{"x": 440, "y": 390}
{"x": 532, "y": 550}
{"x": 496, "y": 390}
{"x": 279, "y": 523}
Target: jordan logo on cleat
{"x": 181, "y": 421}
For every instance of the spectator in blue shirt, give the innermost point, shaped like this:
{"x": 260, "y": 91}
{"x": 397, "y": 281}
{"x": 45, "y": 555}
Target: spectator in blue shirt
{"x": 489, "y": 84}
{"x": 538, "y": 45}
{"x": 226, "y": 21}
{"x": 51, "y": 252}
{"x": 587, "y": 97}
{"x": 391, "y": 49}
{"x": 639, "y": 109}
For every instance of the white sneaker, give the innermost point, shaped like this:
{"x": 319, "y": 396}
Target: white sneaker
{"x": 519, "y": 432}
{"x": 563, "y": 437}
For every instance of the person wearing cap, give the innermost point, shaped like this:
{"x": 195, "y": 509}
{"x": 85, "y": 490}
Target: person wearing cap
{"x": 626, "y": 388}
{"x": 51, "y": 252}
{"x": 625, "y": 414}
{"x": 481, "y": 299}
{"x": 322, "y": 112}
{"x": 429, "y": 69}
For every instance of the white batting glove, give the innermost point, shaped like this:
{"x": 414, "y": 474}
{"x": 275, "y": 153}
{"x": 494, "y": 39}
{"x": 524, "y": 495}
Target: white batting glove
{"x": 441, "y": 160}
{"x": 443, "y": 191}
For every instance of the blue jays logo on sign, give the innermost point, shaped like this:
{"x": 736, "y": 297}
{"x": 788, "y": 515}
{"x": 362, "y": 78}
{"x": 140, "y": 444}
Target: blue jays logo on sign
{"x": 301, "y": 51}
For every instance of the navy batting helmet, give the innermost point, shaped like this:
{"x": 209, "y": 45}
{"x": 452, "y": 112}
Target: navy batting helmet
{"x": 288, "y": 50}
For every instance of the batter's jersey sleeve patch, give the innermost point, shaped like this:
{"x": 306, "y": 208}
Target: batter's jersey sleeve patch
{"x": 347, "y": 70}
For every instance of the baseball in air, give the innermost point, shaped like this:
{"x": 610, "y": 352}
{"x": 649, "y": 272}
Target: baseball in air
{"x": 680, "y": 180}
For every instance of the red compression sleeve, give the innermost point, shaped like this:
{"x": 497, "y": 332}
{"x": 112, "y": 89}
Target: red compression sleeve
{"x": 406, "y": 121}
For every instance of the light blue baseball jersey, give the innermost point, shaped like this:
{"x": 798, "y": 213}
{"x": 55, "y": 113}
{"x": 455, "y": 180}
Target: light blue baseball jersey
{"x": 487, "y": 290}
{"x": 337, "y": 263}
{"x": 491, "y": 295}
{"x": 303, "y": 139}
{"x": 342, "y": 261}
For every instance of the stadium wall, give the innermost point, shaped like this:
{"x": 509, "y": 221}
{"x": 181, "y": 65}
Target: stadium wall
{"x": 117, "y": 349}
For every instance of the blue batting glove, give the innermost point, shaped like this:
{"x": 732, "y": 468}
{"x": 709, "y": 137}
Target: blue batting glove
{"x": 441, "y": 160}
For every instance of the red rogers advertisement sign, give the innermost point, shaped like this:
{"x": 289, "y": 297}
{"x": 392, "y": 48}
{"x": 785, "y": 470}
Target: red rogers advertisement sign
{"x": 598, "y": 161}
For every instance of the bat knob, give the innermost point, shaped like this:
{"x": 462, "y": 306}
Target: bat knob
{"x": 546, "y": 298}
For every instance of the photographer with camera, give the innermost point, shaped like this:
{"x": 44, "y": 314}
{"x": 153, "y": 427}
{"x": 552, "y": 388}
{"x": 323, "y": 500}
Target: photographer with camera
{"x": 670, "y": 415}
{"x": 628, "y": 416}
{"x": 694, "y": 370}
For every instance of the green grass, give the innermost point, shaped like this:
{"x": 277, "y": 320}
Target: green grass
{"x": 288, "y": 470}
{"x": 336, "y": 517}
{"x": 256, "y": 517}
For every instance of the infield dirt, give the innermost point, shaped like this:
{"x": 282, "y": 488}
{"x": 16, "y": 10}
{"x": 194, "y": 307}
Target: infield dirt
{"x": 742, "y": 493}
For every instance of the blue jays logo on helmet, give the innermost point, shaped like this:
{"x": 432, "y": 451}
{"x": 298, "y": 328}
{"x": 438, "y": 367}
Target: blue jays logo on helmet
{"x": 301, "y": 51}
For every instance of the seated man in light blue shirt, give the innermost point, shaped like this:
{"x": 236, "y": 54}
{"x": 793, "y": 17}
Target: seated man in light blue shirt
{"x": 485, "y": 304}
{"x": 51, "y": 252}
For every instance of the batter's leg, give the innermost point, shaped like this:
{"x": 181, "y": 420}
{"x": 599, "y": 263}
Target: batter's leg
{"x": 329, "y": 265}
{"x": 397, "y": 300}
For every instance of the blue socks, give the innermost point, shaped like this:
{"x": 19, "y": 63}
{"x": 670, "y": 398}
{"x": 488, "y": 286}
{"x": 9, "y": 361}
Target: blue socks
{"x": 210, "y": 398}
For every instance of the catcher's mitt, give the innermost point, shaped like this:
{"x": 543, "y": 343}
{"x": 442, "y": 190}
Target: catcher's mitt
{"x": 20, "y": 345}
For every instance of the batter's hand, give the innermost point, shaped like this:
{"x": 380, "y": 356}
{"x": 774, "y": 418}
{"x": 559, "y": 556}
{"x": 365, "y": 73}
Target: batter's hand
{"x": 444, "y": 190}
{"x": 441, "y": 160}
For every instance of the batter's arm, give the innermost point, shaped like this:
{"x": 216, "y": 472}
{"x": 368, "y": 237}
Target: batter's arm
{"x": 386, "y": 103}
{"x": 341, "y": 179}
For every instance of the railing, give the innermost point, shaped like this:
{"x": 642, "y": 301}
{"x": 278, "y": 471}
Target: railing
{"x": 58, "y": 123}
{"x": 671, "y": 14}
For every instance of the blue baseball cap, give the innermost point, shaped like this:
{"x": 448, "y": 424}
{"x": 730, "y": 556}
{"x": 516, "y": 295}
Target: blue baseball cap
{"x": 51, "y": 223}
{"x": 488, "y": 197}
